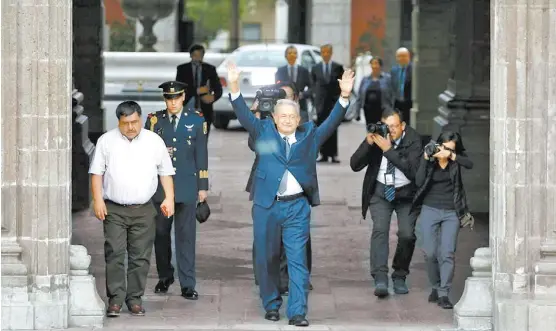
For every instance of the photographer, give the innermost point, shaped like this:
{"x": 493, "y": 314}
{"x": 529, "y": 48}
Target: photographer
{"x": 444, "y": 210}
{"x": 291, "y": 94}
{"x": 391, "y": 154}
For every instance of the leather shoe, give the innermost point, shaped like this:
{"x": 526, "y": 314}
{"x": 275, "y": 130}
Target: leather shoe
{"x": 113, "y": 311}
{"x": 272, "y": 315}
{"x": 137, "y": 310}
{"x": 399, "y": 286}
{"x": 163, "y": 285}
{"x": 433, "y": 297}
{"x": 445, "y": 303}
{"x": 310, "y": 287}
{"x": 381, "y": 289}
{"x": 189, "y": 293}
{"x": 299, "y": 320}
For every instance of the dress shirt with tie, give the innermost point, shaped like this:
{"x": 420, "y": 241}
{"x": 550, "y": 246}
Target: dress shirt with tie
{"x": 178, "y": 115}
{"x": 399, "y": 178}
{"x": 292, "y": 186}
{"x": 326, "y": 71}
{"x": 292, "y": 72}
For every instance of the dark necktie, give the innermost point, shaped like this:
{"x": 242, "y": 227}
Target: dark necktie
{"x": 174, "y": 119}
{"x": 402, "y": 82}
{"x": 291, "y": 74}
{"x": 284, "y": 183}
{"x": 326, "y": 72}
{"x": 390, "y": 190}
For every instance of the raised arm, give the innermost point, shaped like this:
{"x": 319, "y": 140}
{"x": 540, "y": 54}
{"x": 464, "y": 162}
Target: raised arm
{"x": 327, "y": 128}
{"x": 247, "y": 119}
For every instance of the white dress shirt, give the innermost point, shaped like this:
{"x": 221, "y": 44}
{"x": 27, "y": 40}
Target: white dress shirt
{"x": 293, "y": 186}
{"x": 399, "y": 178}
{"x": 130, "y": 169}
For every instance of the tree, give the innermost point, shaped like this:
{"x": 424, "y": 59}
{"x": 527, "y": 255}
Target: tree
{"x": 210, "y": 16}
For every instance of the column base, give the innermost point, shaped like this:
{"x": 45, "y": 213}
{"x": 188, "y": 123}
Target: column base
{"x": 517, "y": 315}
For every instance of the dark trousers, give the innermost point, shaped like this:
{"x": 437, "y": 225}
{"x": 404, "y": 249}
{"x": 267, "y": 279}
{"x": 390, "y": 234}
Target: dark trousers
{"x": 404, "y": 107}
{"x": 185, "y": 235}
{"x": 330, "y": 146}
{"x": 381, "y": 213}
{"x": 287, "y": 222}
{"x": 284, "y": 277}
{"x": 130, "y": 229}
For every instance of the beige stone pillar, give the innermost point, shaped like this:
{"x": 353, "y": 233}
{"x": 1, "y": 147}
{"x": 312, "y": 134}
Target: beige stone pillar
{"x": 36, "y": 158}
{"x": 523, "y": 164}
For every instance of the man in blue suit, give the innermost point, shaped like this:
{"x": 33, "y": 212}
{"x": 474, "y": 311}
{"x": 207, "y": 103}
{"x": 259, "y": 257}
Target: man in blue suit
{"x": 284, "y": 189}
{"x": 184, "y": 131}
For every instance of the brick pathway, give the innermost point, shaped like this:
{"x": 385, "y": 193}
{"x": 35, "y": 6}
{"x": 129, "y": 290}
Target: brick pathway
{"x": 342, "y": 298}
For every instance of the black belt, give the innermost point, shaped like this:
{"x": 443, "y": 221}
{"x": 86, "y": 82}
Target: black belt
{"x": 289, "y": 197}
{"x": 128, "y": 205}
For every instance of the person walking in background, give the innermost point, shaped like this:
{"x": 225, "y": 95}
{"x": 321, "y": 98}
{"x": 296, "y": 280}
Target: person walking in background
{"x": 299, "y": 76}
{"x": 326, "y": 91}
{"x": 375, "y": 92}
{"x": 124, "y": 173}
{"x": 184, "y": 132}
{"x": 401, "y": 78}
{"x": 202, "y": 83}
{"x": 443, "y": 203}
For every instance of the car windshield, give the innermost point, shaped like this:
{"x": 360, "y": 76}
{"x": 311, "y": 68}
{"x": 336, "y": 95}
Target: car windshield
{"x": 259, "y": 58}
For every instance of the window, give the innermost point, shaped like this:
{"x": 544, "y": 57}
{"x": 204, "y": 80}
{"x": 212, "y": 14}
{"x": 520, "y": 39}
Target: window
{"x": 259, "y": 58}
{"x": 251, "y": 31}
{"x": 307, "y": 60}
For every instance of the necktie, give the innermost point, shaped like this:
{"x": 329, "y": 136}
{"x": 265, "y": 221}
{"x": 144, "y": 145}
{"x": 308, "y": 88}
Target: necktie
{"x": 326, "y": 72}
{"x": 174, "y": 119}
{"x": 402, "y": 82}
{"x": 390, "y": 190}
{"x": 292, "y": 78}
{"x": 284, "y": 183}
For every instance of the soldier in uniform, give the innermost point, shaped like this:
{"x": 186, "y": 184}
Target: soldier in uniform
{"x": 184, "y": 130}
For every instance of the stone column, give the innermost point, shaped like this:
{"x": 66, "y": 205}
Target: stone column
{"x": 523, "y": 163}
{"x": 36, "y": 157}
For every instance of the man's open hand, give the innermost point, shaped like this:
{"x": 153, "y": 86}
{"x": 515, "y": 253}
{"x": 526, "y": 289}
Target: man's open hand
{"x": 233, "y": 73}
{"x": 346, "y": 83}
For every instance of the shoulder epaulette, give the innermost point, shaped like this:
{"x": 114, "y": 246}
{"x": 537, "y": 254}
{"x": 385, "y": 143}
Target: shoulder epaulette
{"x": 199, "y": 113}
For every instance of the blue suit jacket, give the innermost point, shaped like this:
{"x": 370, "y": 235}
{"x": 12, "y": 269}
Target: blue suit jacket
{"x": 189, "y": 151}
{"x": 271, "y": 151}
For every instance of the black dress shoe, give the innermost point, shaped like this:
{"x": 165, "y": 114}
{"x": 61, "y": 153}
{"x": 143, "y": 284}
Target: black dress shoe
{"x": 163, "y": 285}
{"x": 272, "y": 315}
{"x": 310, "y": 287}
{"x": 299, "y": 320}
{"x": 335, "y": 160}
{"x": 445, "y": 303}
{"x": 433, "y": 297}
{"x": 322, "y": 160}
{"x": 284, "y": 292}
{"x": 189, "y": 293}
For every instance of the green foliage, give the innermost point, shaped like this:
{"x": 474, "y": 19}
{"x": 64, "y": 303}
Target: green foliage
{"x": 122, "y": 37}
{"x": 209, "y": 16}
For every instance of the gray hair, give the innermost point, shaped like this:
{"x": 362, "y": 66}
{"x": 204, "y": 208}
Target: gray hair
{"x": 402, "y": 50}
{"x": 127, "y": 108}
{"x": 287, "y": 102}
{"x": 329, "y": 46}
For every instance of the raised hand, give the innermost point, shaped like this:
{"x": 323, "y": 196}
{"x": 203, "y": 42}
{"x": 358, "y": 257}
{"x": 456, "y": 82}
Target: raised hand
{"x": 233, "y": 73}
{"x": 346, "y": 83}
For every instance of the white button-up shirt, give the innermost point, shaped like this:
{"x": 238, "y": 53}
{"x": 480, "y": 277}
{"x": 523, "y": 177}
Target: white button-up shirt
{"x": 399, "y": 178}
{"x": 292, "y": 186}
{"x": 130, "y": 169}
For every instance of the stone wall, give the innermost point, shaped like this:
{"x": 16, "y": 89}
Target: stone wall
{"x": 523, "y": 163}
{"x": 330, "y": 24}
{"x": 36, "y": 156}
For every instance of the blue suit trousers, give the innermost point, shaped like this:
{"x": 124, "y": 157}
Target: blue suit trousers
{"x": 287, "y": 221}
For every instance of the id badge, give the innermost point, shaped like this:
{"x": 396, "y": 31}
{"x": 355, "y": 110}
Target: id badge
{"x": 388, "y": 179}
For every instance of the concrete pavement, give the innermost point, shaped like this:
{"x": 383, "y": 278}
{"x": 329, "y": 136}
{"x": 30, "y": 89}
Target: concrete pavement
{"x": 342, "y": 298}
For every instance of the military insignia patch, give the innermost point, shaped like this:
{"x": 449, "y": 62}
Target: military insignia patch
{"x": 203, "y": 174}
{"x": 154, "y": 120}
{"x": 205, "y": 128}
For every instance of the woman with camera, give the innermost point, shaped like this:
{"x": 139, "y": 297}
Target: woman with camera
{"x": 444, "y": 210}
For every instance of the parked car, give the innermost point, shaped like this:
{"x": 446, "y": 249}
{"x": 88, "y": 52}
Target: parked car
{"x": 258, "y": 64}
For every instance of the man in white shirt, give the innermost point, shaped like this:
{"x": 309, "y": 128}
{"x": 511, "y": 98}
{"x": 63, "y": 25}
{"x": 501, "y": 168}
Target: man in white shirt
{"x": 284, "y": 188}
{"x": 391, "y": 163}
{"x": 124, "y": 174}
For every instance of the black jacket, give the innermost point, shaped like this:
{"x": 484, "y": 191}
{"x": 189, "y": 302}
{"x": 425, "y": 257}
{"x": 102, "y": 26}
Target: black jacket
{"x": 184, "y": 74}
{"x": 405, "y": 157}
{"x": 423, "y": 182}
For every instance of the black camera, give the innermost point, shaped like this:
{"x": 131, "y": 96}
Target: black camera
{"x": 267, "y": 96}
{"x": 378, "y": 128}
{"x": 431, "y": 148}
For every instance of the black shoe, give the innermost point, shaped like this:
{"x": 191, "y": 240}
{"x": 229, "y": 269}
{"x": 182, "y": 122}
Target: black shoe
{"x": 335, "y": 160}
{"x": 163, "y": 285}
{"x": 299, "y": 320}
{"x": 284, "y": 292}
{"x": 272, "y": 315}
{"x": 433, "y": 297}
{"x": 310, "y": 287}
{"x": 445, "y": 303}
{"x": 322, "y": 160}
{"x": 381, "y": 289}
{"x": 189, "y": 293}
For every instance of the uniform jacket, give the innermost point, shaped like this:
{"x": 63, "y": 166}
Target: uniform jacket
{"x": 208, "y": 74}
{"x": 405, "y": 157}
{"x": 189, "y": 155}
{"x": 271, "y": 151}
{"x": 303, "y": 80}
{"x": 423, "y": 182}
